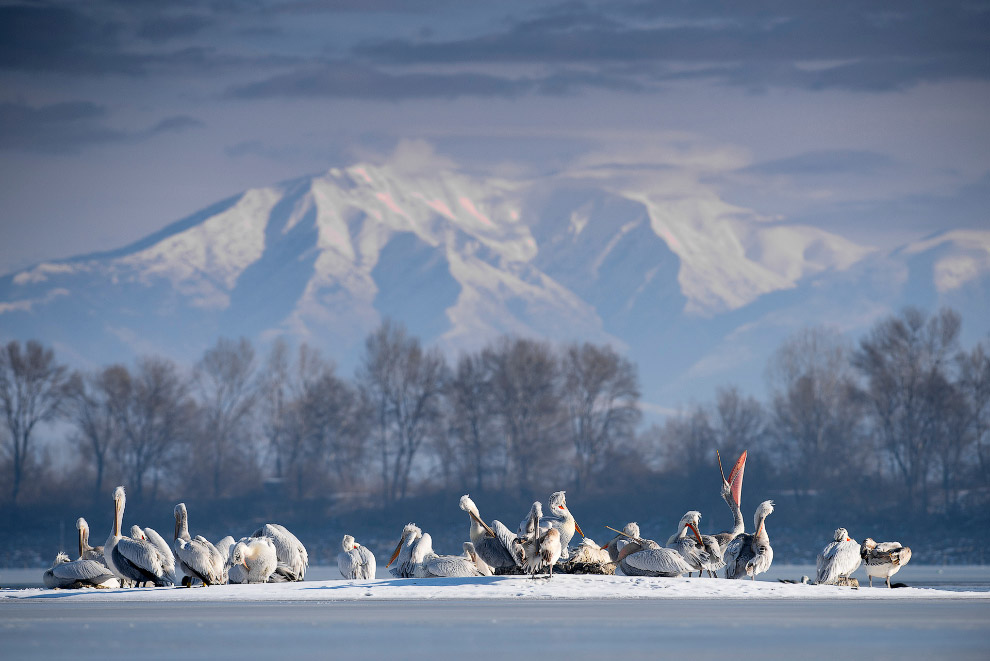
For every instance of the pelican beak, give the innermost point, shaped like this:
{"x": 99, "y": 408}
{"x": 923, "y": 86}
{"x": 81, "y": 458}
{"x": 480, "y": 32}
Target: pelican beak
{"x": 578, "y": 528}
{"x": 244, "y": 562}
{"x": 176, "y": 528}
{"x": 395, "y": 554}
{"x": 736, "y": 477}
{"x": 697, "y": 535}
{"x": 482, "y": 524}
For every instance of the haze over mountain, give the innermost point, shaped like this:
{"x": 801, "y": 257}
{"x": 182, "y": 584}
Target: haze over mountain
{"x": 695, "y": 290}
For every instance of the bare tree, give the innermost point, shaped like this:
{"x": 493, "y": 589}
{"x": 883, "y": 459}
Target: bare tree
{"x": 158, "y": 417}
{"x": 601, "y": 394}
{"x": 32, "y": 388}
{"x": 974, "y": 386}
{"x": 96, "y": 404}
{"x": 816, "y": 417}
{"x": 525, "y": 378}
{"x": 905, "y": 359}
{"x": 403, "y": 385}
{"x": 469, "y": 399}
{"x": 225, "y": 377}
{"x": 274, "y": 392}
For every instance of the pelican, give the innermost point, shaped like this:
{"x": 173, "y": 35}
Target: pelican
{"x": 495, "y": 545}
{"x": 403, "y": 551}
{"x": 355, "y": 561}
{"x": 483, "y": 567}
{"x": 588, "y": 551}
{"x": 292, "y": 556}
{"x": 691, "y": 549}
{"x": 883, "y": 560}
{"x": 151, "y": 536}
{"x": 87, "y": 552}
{"x": 68, "y": 574}
{"x": 561, "y": 518}
{"x": 716, "y": 559}
{"x": 749, "y": 555}
{"x": 838, "y": 559}
{"x": 630, "y": 531}
{"x": 197, "y": 557}
{"x": 645, "y": 557}
{"x": 732, "y": 495}
{"x": 225, "y": 546}
{"x": 427, "y": 564}
{"x": 252, "y": 560}
{"x": 542, "y": 547}
{"x": 133, "y": 559}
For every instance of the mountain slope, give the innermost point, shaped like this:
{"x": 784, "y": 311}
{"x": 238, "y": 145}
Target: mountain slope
{"x": 696, "y": 290}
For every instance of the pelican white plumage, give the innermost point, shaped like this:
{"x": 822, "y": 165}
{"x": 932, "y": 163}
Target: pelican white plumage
{"x": 560, "y": 517}
{"x": 252, "y": 560}
{"x": 494, "y": 544}
{"x": 751, "y": 554}
{"x": 838, "y": 559}
{"x": 197, "y": 557}
{"x": 645, "y": 557}
{"x": 483, "y": 567}
{"x": 293, "y": 559}
{"x": 732, "y": 495}
{"x": 588, "y": 551}
{"x": 716, "y": 559}
{"x": 629, "y": 531}
{"x": 427, "y": 564}
{"x": 87, "y": 552}
{"x": 225, "y": 545}
{"x": 355, "y": 561}
{"x": 151, "y": 536}
{"x": 692, "y": 549}
{"x": 541, "y": 547}
{"x": 403, "y": 552}
{"x": 883, "y": 560}
{"x": 66, "y": 574}
{"x": 134, "y": 560}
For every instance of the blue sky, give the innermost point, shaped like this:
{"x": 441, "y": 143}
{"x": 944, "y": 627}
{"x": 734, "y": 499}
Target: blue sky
{"x": 118, "y": 116}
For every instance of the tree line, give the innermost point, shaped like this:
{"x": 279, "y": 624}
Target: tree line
{"x": 901, "y": 416}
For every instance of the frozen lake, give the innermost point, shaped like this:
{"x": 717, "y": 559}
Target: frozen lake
{"x": 584, "y": 629}
{"x": 946, "y": 613}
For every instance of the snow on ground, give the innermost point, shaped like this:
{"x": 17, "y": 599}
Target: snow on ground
{"x": 560, "y": 587}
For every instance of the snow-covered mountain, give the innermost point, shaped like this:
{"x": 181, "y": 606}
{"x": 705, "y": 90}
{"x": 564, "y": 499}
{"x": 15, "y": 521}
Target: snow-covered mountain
{"x": 697, "y": 291}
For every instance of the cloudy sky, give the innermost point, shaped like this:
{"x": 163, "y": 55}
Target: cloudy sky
{"x": 870, "y": 119}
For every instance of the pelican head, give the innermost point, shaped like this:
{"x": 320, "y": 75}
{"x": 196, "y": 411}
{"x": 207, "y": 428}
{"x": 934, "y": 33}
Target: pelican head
{"x": 732, "y": 487}
{"x": 764, "y": 510}
{"x": 842, "y": 535}
{"x": 119, "y": 500}
{"x": 238, "y": 555}
{"x": 468, "y": 505}
{"x": 469, "y": 552}
{"x": 867, "y": 545}
{"x": 136, "y": 532}
{"x": 692, "y": 519}
{"x": 60, "y": 558}
{"x": 81, "y": 525}
{"x": 348, "y": 543}
{"x": 409, "y": 533}
{"x": 181, "y": 519}
{"x": 631, "y": 529}
{"x": 558, "y": 506}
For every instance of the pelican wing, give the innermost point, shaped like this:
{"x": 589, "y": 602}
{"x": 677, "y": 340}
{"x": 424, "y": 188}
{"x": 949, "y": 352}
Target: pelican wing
{"x": 737, "y": 554}
{"x": 89, "y": 571}
{"x": 224, "y": 546}
{"x": 507, "y": 540}
{"x": 289, "y": 549}
{"x": 348, "y": 563}
{"x": 367, "y": 562}
{"x": 837, "y": 559}
{"x": 451, "y": 566}
{"x": 660, "y": 561}
{"x": 199, "y": 560}
{"x": 168, "y": 559}
{"x": 139, "y": 560}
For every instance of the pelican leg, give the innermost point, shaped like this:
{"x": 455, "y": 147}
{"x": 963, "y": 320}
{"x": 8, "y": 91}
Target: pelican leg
{"x": 871, "y": 581}
{"x": 888, "y": 581}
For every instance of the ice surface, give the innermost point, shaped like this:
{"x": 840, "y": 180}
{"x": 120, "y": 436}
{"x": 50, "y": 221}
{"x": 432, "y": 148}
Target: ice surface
{"x": 560, "y": 587}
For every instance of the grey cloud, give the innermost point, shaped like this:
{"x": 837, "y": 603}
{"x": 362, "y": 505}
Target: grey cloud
{"x": 819, "y": 163}
{"x": 173, "y": 27}
{"x": 69, "y": 127}
{"x": 876, "y": 46}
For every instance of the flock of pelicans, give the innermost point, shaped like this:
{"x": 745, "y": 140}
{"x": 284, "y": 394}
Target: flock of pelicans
{"x": 540, "y": 543}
